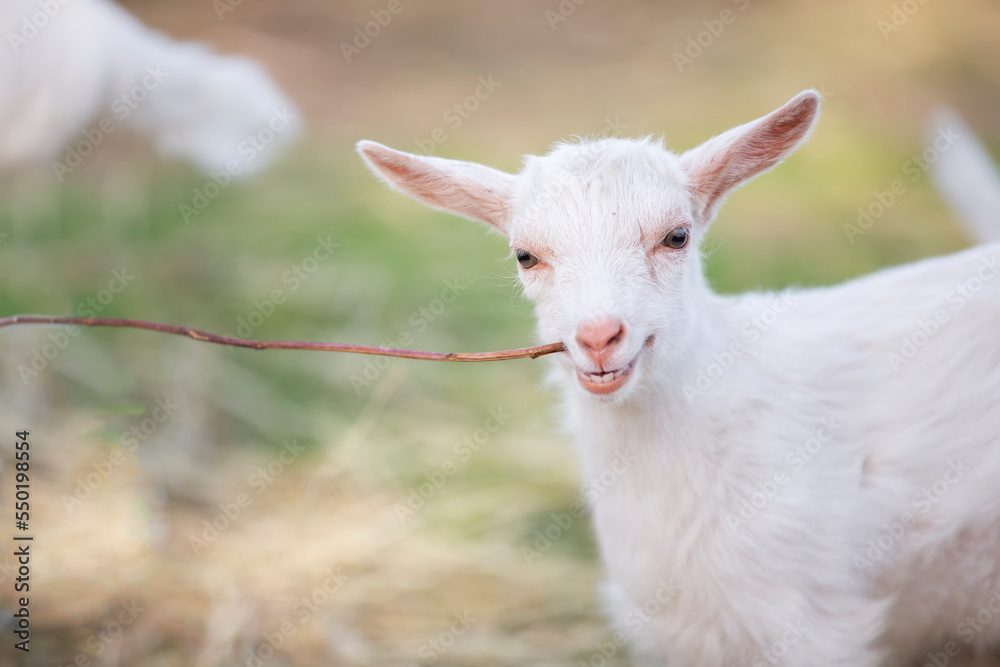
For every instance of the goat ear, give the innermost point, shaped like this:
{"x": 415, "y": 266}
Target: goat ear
{"x": 465, "y": 188}
{"x": 724, "y": 162}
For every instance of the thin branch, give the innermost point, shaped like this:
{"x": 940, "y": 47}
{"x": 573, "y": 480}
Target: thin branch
{"x": 532, "y": 352}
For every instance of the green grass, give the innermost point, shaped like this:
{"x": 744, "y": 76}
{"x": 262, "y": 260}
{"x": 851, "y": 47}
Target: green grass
{"x": 393, "y": 258}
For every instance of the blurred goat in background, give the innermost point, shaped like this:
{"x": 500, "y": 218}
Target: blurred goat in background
{"x": 73, "y": 72}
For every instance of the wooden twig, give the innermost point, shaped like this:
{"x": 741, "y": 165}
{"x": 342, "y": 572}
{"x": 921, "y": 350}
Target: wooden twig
{"x": 532, "y": 352}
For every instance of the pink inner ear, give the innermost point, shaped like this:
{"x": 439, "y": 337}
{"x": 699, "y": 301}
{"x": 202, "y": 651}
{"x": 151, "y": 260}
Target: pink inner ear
{"x": 465, "y": 188}
{"x": 755, "y": 149}
{"x": 460, "y": 193}
{"x": 781, "y": 133}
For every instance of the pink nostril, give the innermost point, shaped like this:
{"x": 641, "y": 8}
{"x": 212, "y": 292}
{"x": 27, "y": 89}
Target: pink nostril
{"x": 596, "y": 336}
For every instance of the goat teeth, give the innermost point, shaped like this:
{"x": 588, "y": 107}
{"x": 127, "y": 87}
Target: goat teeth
{"x": 604, "y": 382}
{"x": 607, "y": 376}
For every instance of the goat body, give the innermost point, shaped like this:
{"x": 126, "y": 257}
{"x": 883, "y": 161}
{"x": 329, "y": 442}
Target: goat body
{"x": 814, "y": 471}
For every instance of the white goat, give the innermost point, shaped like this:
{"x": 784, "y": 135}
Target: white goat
{"x": 87, "y": 65}
{"x": 816, "y": 471}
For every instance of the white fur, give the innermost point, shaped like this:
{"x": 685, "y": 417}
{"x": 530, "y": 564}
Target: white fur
{"x": 771, "y": 554}
{"x": 65, "y": 78}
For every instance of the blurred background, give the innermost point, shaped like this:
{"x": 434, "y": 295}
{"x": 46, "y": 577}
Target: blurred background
{"x": 197, "y": 505}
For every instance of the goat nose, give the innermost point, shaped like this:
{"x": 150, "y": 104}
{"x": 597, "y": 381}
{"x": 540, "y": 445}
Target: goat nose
{"x": 600, "y": 335}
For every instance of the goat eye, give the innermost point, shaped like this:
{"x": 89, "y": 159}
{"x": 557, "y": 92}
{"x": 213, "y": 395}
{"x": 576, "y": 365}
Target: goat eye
{"x": 525, "y": 259}
{"x": 676, "y": 238}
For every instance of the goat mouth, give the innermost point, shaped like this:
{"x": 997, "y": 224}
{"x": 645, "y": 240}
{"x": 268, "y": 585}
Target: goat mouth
{"x": 607, "y": 382}
{"x": 604, "y": 382}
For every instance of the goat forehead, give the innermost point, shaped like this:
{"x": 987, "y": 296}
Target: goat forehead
{"x": 611, "y": 193}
